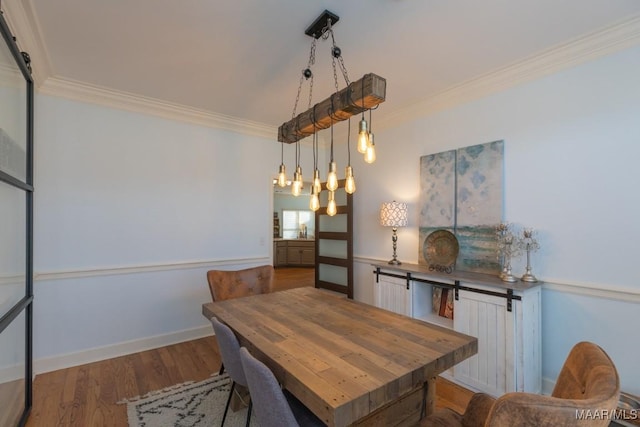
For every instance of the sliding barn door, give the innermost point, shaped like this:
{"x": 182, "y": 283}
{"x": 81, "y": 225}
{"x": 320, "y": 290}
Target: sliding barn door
{"x": 487, "y": 318}
{"x": 334, "y": 243}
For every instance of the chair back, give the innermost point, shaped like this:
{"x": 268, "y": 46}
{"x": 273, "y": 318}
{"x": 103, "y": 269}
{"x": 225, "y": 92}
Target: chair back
{"x": 269, "y": 402}
{"x": 586, "y": 394}
{"x": 230, "y": 351}
{"x": 588, "y": 373}
{"x": 225, "y": 284}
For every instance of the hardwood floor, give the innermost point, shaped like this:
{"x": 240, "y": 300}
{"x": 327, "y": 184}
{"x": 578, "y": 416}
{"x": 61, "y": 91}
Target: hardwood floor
{"x": 87, "y": 395}
{"x": 293, "y": 277}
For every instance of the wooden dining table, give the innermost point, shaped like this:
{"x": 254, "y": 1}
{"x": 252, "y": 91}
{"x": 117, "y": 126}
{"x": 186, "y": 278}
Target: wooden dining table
{"x": 349, "y": 362}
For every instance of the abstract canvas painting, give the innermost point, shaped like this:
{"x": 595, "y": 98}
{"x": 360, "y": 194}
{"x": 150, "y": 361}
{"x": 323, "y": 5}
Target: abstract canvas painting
{"x": 462, "y": 191}
{"x": 437, "y": 195}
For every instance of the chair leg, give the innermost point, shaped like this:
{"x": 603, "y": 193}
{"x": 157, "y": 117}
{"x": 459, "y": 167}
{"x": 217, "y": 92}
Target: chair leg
{"x": 249, "y": 413}
{"x": 221, "y": 369}
{"x": 226, "y": 408}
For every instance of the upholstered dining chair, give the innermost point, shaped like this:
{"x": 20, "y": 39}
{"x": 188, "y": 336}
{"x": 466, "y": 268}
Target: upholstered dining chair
{"x": 273, "y": 406}
{"x": 588, "y": 384}
{"x": 230, "y": 352}
{"x": 227, "y": 284}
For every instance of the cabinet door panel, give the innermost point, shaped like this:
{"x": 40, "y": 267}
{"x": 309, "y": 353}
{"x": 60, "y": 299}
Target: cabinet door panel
{"x": 308, "y": 256}
{"x": 486, "y": 317}
{"x": 281, "y": 255}
{"x": 391, "y": 293}
{"x": 293, "y": 256}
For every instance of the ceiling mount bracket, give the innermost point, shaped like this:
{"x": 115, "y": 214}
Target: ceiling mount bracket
{"x": 315, "y": 30}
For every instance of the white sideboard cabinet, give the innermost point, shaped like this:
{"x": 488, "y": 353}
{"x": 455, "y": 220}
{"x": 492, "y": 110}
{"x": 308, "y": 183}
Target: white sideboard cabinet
{"x": 505, "y": 317}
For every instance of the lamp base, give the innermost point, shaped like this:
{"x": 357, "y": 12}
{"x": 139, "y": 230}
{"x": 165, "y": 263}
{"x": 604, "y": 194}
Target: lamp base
{"x": 394, "y": 262}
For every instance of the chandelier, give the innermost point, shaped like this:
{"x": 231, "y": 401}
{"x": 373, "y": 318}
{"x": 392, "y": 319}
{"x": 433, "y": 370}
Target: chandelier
{"x": 357, "y": 97}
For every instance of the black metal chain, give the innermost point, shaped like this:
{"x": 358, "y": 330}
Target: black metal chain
{"x": 335, "y": 73}
{"x": 312, "y": 61}
{"x": 335, "y": 53}
{"x": 306, "y": 74}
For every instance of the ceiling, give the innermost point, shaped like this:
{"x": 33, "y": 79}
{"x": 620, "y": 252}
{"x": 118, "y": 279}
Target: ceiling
{"x": 243, "y": 58}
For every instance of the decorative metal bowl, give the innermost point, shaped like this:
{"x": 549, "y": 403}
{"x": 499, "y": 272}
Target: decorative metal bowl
{"x": 440, "y": 250}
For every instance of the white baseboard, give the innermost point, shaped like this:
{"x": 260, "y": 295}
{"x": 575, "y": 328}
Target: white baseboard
{"x": 11, "y": 373}
{"x": 96, "y": 354}
{"x": 547, "y": 386}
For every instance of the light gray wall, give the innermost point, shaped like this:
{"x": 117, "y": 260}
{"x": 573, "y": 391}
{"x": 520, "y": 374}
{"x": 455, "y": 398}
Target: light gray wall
{"x": 572, "y": 143}
{"x": 130, "y": 212}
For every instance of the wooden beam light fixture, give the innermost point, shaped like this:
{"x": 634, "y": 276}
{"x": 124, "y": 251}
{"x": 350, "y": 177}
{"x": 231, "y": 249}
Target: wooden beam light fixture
{"x": 357, "y": 97}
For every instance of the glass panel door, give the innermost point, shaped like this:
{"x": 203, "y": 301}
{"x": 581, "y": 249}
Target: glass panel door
{"x": 16, "y": 231}
{"x": 334, "y": 243}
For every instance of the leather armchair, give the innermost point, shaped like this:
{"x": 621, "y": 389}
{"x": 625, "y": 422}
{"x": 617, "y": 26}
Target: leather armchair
{"x": 225, "y": 284}
{"x": 588, "y": 384}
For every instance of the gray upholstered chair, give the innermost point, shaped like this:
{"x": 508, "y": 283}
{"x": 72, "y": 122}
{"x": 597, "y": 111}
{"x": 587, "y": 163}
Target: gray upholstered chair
{"x": 227, "y": 284}
{"x": 230, "y": 351}
{"x": 588, "y": 383}
{"x": 273, "y": 406}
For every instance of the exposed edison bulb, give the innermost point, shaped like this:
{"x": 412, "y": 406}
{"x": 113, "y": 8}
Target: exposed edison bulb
{"x": 370, "y": 154}
{"x": 350, "y": 184}
{"x": 282, "y": 176}
{"x": 332, "y": 178}
{"x": 363, "y": 136}
{"x": 314, "y": 201}
{"x": 317, "y": 185}
{"x": 296, "y": 186}
{"x": 299, "y": 170}
{"x": 331, "y": 207}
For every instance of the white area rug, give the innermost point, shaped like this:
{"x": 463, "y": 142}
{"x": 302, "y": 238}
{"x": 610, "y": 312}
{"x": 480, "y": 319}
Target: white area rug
{"x": 186, "y": 405}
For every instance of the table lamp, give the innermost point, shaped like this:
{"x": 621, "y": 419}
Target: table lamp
{"x": 393, "y": 214}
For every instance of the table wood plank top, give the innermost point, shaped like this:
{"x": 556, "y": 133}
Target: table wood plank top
{"x": 343, "y": 359}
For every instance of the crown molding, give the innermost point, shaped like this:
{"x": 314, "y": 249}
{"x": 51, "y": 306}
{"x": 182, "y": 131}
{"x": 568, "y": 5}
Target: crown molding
{"x": 623, "y": 35}
{"x": 84, "y": 92}
{"x": 26, "y": 29}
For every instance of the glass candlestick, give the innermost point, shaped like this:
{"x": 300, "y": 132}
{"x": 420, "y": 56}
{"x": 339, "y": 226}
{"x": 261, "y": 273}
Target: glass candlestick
{"x": 508, "y": 247}
{"x": 530, "y": 245}
{"x": 501, "y": 231}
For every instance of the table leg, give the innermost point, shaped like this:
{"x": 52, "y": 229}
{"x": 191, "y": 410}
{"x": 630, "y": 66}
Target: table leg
{"x": 429, "y": 397}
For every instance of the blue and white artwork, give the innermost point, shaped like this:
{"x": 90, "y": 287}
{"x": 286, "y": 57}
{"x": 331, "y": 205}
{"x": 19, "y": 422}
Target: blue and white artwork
{"x": 462, "y": 191}
{"x": 479, "y": 197}
{"x": 437, "y": 195}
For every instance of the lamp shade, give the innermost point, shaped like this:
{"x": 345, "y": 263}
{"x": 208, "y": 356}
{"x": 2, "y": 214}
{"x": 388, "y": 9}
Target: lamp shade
{"x": 393, "y": 214}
